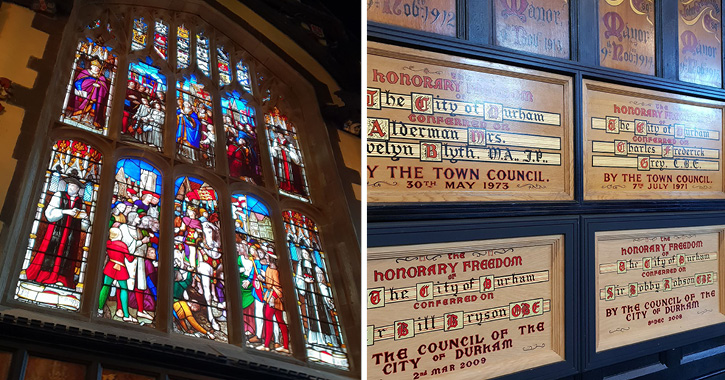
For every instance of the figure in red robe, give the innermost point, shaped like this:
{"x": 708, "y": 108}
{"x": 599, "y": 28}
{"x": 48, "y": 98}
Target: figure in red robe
{"x": 91, "y": 89}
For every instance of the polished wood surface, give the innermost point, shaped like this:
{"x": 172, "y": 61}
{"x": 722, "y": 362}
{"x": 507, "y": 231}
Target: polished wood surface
{"x": 627, "y": 35}
{"x": 700, "y": 46}
{"x": 436, "y": 16}
{"x": 534, "y": 26}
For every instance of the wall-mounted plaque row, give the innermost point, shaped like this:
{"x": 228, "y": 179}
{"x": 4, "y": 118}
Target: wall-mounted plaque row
{"x": 446, "y": 129}
{"x": 627, "y": 31}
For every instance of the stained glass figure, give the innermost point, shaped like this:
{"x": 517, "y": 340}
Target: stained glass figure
{"x": 130, "y": 272}
{"x": 265, "y": 321}
{"x": 88, "y": 100}
{"x": 195, "y": 136}
{"x": 241, "y": 134}
{"x": 161, "y": 35}
{"x": 225, "y": 74}
{"x": 54, "y": 268}
{"x": 140, "y": 29}
{"x": 199, "y": 294}
{"x": 287, "y": 158}
{"x": 243, "y": 76}
{"x": 323, "y": 337}
{"x": 183, "y": 44}
{"x": 144, "y": 108}
{"x": 202, "y": 54}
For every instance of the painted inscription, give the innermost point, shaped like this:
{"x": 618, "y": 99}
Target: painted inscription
{"x": 454, "y": 133}
{"x": 627, "y": 35}
{"x": 486, "y": 308}
{"x": 644, "y": 147}
{"x": 437, "y": 16}
{"x": 700, "y": 41}
{"x": 656, "y": 283}
{"x": 535, "y": 26}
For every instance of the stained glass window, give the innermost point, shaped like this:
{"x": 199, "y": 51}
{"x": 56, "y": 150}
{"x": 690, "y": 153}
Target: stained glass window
{"x": 314, "y": 292}
{"x": 54, "y": 269}
{"x": 225, "y": 75}
{"x": 199, "y": 294}
{"x": 161, "y": 35}
{"x": 144, "y": 107}
{"x": 241, "y": 133}
{"x": 195, "y": 135}
{"x": 286, "y": 156}
{"x": 265, "y": 321}
{"x": 202, "y": 54}
{"x": 130, "y": 272}
{"x": 87, "y": 102}
{"x": 243, "y": 76}
{"x": 140, "y": 28}
{"x": 183, "y": 47}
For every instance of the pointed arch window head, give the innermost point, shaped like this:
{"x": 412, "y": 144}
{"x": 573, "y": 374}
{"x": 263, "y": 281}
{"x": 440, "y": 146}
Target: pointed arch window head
{"x": 241, "y": 139}
{"x": 54, "y": 269}
{"x": 144, "y": 107}
{"x": 198, "y": 272}
{"x": 183, "y": 47}
{"x": 262, "y": 294}
{"x": 289, "y": 167}
{"x": 202, "y": 54}
{"x": 140, "y": 29}
{"x": 323, "y": 336}
{"x": 243, "y": 76}
{"x": 161, "y": 37}
{"x": 130, "y": 271}
{"x": 195, "y": 132}
{"x": 88, "y": 98}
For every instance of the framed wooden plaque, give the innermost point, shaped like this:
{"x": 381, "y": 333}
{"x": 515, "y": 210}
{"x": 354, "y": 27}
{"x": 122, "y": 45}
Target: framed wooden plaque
{"x": 627, "y": 35}
{"x": 641, "y": 144}
{"x": 653, "y": 283}
{"x": 465, "y": 310}
{"x": 436, "y": 16}
{"x": 443, "y": 128}
{"x": 700, "y": 41}
{"x": 534, "y": 26}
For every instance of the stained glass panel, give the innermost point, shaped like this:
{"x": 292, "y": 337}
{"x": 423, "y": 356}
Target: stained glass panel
{"x": 243, "y": 76}
{"x": 225, "y": 74}
{"x": 242, "y": 143}
{"x": 323, "y": 337}
{"x": 199, "y": 293}
{"x": 144, "y": 108}
{"x": 183, "y": 45}
{"x": 195, "y": 136}
{"x": 161, "y": 35}
{"x": 130, "y": 272}
{"x": 140, "y": 29}
{"x": 265, "y": 321}
{"x": 88, "y": 99}
{"x": 202, "y": 54}
{"x": 288, "y": 165}
{"x": 54, "y": 268}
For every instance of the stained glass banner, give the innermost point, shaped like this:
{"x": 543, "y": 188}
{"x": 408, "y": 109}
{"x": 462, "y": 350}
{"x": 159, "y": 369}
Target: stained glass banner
{"x": 130, "y": 272}
{"x": 183, "y": 45}
{"x": 323, "y": 337}
{"x": 199, "y": 295}
{"x": 140, "y": 28}
{"x": 54, "y": 269}
{"x": 202, "y": 54}
{"x": 161, "y": 36}
{"x": 225, "y": 75}
{"x": 243, "y": 76}
{"x": 88, "y": 99}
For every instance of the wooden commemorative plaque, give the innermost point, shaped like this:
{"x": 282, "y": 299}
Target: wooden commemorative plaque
{"x": 652, "y": 283}
{"x": 437, "y": 16}
{"x": 641, "y": 145}
{"x": 468, "y": 310}
{"x": 536, "y": 26}
{"x": 627, "y": 35}
{"x": 699, "y": 41}
{"x": 441, "y": 128}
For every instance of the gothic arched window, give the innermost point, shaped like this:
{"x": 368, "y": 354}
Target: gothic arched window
{"x": 171, "y": 107}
